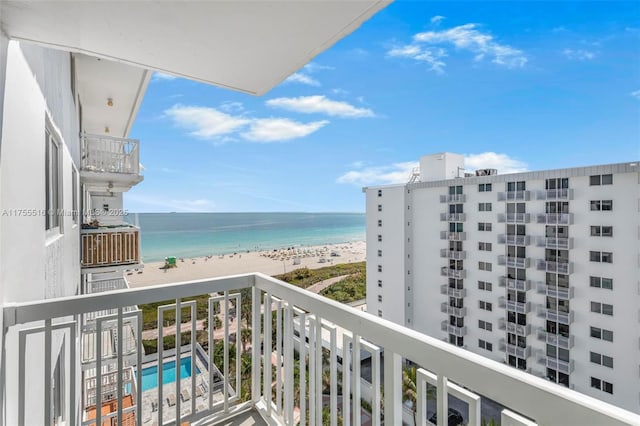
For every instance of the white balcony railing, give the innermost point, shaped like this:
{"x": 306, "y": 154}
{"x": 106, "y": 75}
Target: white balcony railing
{"x": 565, "y": 367}
{"x": 453, "y": 236}
{"x": 514, "y": 196}
{"x": 515, "y": 350}
{"x": 459, "y": 274}
{"x": 565, "y": 342}
{"x": 453, "y": 198}
{"x": 514, "y": 262}
{"x": 514, "y": 240}
{"x": 513, "y": 284}
{"x": 555, "y": 243}
{"x": 553, "y": 315}
{"x": 514, "y": 217}
{"x": 558, "y": 267}
{"x": 511, "y": 327}
{"x": 452, "y": 310}
{"x": 453, "y": 217}
{"x": 453, "y": 329}
{"x": 555, "y": 218}
{"x": 553, "y": 291}
{"x": 512, "y": 305}
{"x": 110, "y": 154}
{"x": 555, "y": 194}
{"x": 453, "y": 254}
{"x": 294, "y": 315}
{"x": 453, "y": 292}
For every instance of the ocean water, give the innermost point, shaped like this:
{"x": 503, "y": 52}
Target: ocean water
{"x": 201, "y": 234}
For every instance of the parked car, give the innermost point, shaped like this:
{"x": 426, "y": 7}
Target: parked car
{"x": 454, "y": 418}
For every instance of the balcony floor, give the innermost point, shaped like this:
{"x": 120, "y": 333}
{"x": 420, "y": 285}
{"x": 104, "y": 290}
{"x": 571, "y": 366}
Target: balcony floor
{"x": 247, "y": 418}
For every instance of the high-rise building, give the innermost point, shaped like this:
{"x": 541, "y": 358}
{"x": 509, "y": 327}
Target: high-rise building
{"x": 538, "y": 270}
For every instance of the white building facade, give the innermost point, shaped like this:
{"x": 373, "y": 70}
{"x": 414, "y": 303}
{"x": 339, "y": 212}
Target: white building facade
{"x": 538, "y": 269}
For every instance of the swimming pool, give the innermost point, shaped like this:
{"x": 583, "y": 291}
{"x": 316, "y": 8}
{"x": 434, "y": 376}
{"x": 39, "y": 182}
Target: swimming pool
{"x": 150, "y": 374}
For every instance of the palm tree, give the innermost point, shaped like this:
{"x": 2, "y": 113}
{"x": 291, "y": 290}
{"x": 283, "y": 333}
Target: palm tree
{"x": 409, "y": 390}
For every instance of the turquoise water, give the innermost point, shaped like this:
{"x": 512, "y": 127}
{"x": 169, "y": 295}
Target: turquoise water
{"x": 150, "y": 374}
{"x": 200, "y": 234}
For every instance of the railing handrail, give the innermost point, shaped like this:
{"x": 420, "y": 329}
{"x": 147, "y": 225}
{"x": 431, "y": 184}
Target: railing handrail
{"x": 553, "y": 404}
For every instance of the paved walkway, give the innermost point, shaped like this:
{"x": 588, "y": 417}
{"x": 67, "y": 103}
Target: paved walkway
{"x": 318, "y": 287}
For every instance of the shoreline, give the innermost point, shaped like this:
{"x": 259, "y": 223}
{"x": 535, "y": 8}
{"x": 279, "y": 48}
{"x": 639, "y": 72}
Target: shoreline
{"x": 270, "y": 262}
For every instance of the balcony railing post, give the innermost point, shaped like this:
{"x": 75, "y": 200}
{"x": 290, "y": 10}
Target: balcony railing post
{"x": 392, "y": 388}
{"x": 288, "y": 364}
{"x": 255, "y": 344}
{"x": 442, "y": 401}
{"x": 267, "y": 380}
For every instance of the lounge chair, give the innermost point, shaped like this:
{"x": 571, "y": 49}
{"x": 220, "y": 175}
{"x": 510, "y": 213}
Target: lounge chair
{"x": 199, "y": 391}
{"x": 154, "y": 405}
{"x": 171, "y": 399}
{"x": 186, "y": 396}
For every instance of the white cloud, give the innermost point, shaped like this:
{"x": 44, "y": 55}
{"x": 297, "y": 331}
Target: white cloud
{"x": 467, "y": 37}
{"x": 340, "y": 92}
{"x": 437, "y": 19}
{"x": 205, "y": 123}
{"x": 320, "y": 104}
{"x": 212, "y": 124}
{"x": 313, "y": 67}
{"x": 152, "y": 202}
{"x": 358, "y": 53}
{"x": 230, "y": 106}
{"x": 635, "y": 94}
{"x": 160, "y": 76}
{"x": 302, "y": 79}
{"x": 579, "y": 54}
{"x": 401, "y": 172}
{"x": 280, "y": 129}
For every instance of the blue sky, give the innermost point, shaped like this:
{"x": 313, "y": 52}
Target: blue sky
{"x": 512, "y": 85}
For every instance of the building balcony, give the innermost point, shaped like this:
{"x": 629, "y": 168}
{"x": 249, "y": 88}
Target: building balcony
{"x": 559, "y": 292}
{"x": 453, "y": 236}
{"x": 104, "y": 284}
{"x": 107, "y": 248}
{"x": 453, "y": 254}
{"x": 453, "y": 217}
{"x": 298, "y": 333}
{"x": 513, "y": 284}
{"x": 520, "y": 352}
{"x": 453, "y": 329}
{"x": 555, "y": 194}
{"x": 445, "y": 308}
{"x": 514, "y": 218}
{"x": 514, "y": 240}
{"x": 565, "y": 342}
{"x": 110, "y": 160}
{"x": 556, "y": 364}
{"x": 555, "y": 243}
{"x": 514, "y": 262}
{"x": 453, "y": 198}
{"x": 555, "y": 218}
{"x": 458, "y": 293}
{"x": 459, "y": 274}
{"x": 514, "y": 196}
{"x": 553, "y": 315}
{"x": 558, "y": 267}
{"x": 511, "y": 327}
{"x": 512, "y": 305}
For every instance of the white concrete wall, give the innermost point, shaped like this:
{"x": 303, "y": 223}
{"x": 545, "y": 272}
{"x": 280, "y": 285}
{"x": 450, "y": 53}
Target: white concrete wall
{"x": 441, "y": 166}
{"x": 113, "y": 214}
{"x": 34, "y": 263}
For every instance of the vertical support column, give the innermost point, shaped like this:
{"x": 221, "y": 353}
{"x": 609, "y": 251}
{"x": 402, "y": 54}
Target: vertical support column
{"x": 119, "y": 335}
{"x": 288, "y": 364}
{"x": 312, "y": 371}
{"x": 178, "y": 358}
{"x": 346, "y": 379}
{"x": 279, "y": 357}
{"x": 256, "y": 353}
{"x": 392, "y": 388}
{"x": 267, "y": 352}
{"x": 318, "y": 388}
{"x": 355, "y": 359}
{"x": 442, "y": 401}
{"x": 334, "y": 377}
{"x": 302, "y": 319}
{"x": 225, "y": 347}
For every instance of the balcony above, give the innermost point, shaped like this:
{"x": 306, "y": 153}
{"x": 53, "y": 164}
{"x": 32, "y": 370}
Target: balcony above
{"x": 110, "y": 248}
{"x": 453, "y": 254}
{"x": 555, "y": 194}
{"x": 514, "y": 240}
{"x": 558, "y": 267}
{"x": 514, "y": 262}
{"x": 553, "y": 315}
{"x": 559, "y": 292}
{"x": 453, "y": 236}
{"x": 555, "y": 218}
{"x": 556, "y": 364}
{"x": 299, "y": 316}
{"x": 453, "y": 198}
{"x": 459, "y": 274}
{"x": 445, "y": 308}
{"x": 511, "y": 327}
{"x": 565, "y": 342}
{"x": 512, "y": 305}
{"x": 453, "y": 329}
{"x": 110, "y": 163}
{"x": 514, "y": 218}
{"x": 453, "y": 292}
{"x": 514, "y": 196}
{"x": 555, "y": 243}
{"x": 520, "y": 352}
{"x": 513, "y": 284}
{"x": 453, "y": 217}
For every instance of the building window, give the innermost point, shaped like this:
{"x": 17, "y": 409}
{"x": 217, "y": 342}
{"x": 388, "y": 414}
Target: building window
{"x": 484, "y": 285}
{"x": 379, "y": 283}
{"x": 484, "y": 207}
{"x": 487, "y": 306}
{"x": 516, "y": 186}
{"x": 455, "y": 190}
{"x": 602, "y": 334}
{"x": 485, "y": 345}
{"x": 379, "y": 238}
{"x": 379, "y": 222}
{"x": 604, "y": 205}
{"x": 484, "y": 266}
{"x": 602, "y": 385}
{"x": 379, "y": 298}
{"x": 602, "y": 231}
{"x": 379, "y": 268}
{"x": 484, "y": 187}
{"x": 602, "y": 308}
{"x": 599, "y": 282}
{"x": 379, "y": 192}
{"x": 601, "y": 256}
{"x": 600, "y": 359}
{"x": 485, "y": 325}
{"x": 600, "y": 180}
{"x": 379, "y": 207}
{"x": 484, "y": 226}
{"x": 379, "y": 253}
{"x": 53, "y": 196}
{"x": 484, "y": 246}
{"x": 379, "y": 313}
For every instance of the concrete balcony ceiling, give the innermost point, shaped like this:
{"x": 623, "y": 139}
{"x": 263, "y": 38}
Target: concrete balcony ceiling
{"x": 244, "y": 45}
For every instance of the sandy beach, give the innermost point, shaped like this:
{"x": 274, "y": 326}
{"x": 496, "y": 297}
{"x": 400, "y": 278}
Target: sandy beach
{"x": 271, "y": 262}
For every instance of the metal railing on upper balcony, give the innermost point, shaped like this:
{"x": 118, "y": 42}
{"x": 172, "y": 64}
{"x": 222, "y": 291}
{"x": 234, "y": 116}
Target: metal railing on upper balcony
{"x": 555, "y": 243}
{"x": 512, "y": 327}
{"x": 453, "y": 292}
{"x": 459, "y": 274}
{"x": 555, "y": 291}
{"x": 565, "y": 367}
{"x": 514, "y": 217}
{"x": 453, "y": 329}
{"x": 555, "y": 218}
{"x": 453, "y": 254}
{"x": 110, "y": 246}
{"x": 555, "y": 315}
{"x": 453, "y": 198}
{"x": 554, "y": 266}
{"x": 565, "y": 342}
{"x": 110, "y": 154}
{"x": 514, "y": 196}
{"x": 514, "y": 262}
{"x": 515, "y": 350}
{"x": 512, "y": 305}
{"x": 453, "y": 236}
{"x": 280, "y": 372}
{"x": 555, "y": 194}
{"x": 514, "y": 284}
{"x": 453, "y": 217}
{"x": 514, "y": 240}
